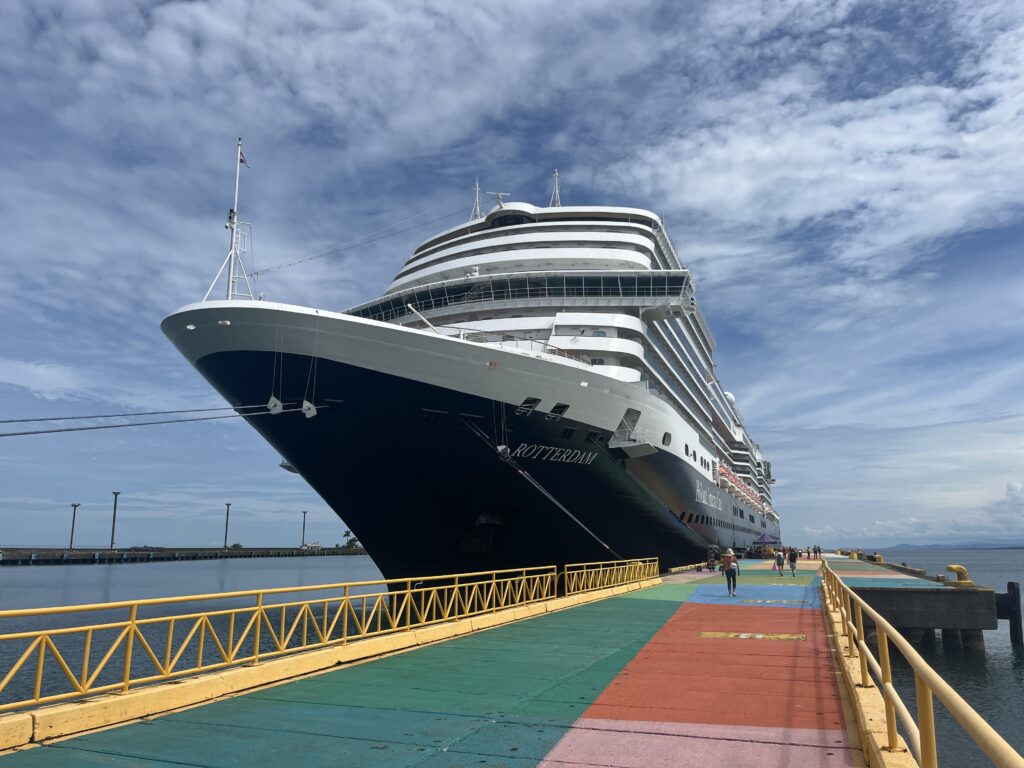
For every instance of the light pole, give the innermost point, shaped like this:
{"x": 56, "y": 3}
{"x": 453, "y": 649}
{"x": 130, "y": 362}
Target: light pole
{"x": 303, "y": 529}
{"x": 227, "y": 516}
{"x": 113, "y": 524}
{"x": 74, "y": 513}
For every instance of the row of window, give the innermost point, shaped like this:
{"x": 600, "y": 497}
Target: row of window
{"x": 699, "y": 519}
{"x": 737, "y": 512}
{"x": 480, "y": 235}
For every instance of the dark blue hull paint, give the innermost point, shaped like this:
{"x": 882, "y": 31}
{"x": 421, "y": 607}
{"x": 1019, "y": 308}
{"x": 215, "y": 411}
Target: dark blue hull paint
{"x": 426, "y": 495}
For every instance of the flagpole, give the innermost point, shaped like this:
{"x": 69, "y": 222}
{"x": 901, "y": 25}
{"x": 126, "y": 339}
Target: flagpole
{"x": 232, "y": 254}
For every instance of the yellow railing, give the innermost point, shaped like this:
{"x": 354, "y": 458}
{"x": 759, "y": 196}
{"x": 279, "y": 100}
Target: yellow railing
{"x": 920, "y": 733}
{"x": 152, "y": 644}
{"x": 587, "y": 577}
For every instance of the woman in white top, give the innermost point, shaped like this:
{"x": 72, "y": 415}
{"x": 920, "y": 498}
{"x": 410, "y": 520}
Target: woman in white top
{"x": 731, "y": 567}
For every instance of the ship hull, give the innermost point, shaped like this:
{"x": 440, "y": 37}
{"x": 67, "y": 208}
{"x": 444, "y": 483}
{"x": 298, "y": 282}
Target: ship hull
{"x": 414, "y": 467}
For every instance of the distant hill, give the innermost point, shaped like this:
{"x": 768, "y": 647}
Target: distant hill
{"x": 963, "y": 545}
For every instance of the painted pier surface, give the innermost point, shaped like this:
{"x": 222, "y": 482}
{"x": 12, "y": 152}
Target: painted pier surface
{"x": 680, "y": 674}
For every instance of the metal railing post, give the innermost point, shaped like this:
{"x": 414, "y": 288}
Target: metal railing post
{"x": 851, "y": 649}
{"x": 129, "y": 645}
{"x": 865, "y": 681}
{"x": 890, "y": 709}
{"x": 256, "y": 629}
{"x": 926, "y": 723}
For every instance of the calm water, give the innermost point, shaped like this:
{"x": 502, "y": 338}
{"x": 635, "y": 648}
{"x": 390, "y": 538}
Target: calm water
{"x": 991, "y": 682}
{"x": 39, "y": 586}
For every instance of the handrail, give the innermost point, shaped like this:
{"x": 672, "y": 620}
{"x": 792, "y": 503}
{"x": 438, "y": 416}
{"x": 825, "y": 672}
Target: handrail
{"x": 122, "y": 653}
{"x": 852, "y": 608}
{"x": 587, "y": 577}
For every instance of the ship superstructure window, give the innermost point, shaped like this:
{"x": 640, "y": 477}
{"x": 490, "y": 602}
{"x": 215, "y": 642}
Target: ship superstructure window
{"x": 599, "y": 333}
{"x": 510, "y": 220}
{"x": 597, "y": 361}
{"x": 666, "y": 439}
{"x": 527, "y": 406}
{"x": 528, "y": 286}
{"x": 557, "y": 412}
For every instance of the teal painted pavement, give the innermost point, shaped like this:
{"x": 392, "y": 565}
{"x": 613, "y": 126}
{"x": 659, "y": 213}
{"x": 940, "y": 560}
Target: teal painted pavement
{"x": 860, "y": 573}
{"x": 503, "y": 697}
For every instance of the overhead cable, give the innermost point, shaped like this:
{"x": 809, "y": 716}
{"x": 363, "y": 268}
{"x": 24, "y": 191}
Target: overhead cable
{"x": 127, "y": 415}
{"x": 144, "y": 423}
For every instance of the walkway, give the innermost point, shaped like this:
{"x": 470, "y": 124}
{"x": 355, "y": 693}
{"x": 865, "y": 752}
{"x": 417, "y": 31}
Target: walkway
{"x": 676, "y": 675}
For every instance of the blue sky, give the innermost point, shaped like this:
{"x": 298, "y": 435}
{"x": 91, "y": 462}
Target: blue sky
{"x": 844, "y": 179}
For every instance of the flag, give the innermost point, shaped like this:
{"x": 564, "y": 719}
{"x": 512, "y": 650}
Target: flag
{"x": 241, "y": 157}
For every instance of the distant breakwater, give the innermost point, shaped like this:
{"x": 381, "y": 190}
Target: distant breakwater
{"x": 89, "y": 556}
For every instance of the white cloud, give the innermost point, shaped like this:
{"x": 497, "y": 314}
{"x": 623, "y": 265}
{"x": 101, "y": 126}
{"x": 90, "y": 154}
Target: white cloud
{"x": 824, "y": 166}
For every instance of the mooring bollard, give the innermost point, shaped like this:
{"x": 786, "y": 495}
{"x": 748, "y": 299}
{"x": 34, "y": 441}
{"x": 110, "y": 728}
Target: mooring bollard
{"x": 1008, "y": 607}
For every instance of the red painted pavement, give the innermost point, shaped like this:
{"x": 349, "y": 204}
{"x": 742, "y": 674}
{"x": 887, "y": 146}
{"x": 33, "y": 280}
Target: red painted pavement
{"x": 692, "y": 700}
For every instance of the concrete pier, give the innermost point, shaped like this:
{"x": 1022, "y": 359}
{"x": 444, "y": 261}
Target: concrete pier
{"x": 919, "y": 605}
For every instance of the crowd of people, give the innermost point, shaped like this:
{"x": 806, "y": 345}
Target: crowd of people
{"x": 728, "y": 562}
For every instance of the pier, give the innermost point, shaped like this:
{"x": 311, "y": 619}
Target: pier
{"x": 596, "y": 664}
{"x": 101, "y": 556}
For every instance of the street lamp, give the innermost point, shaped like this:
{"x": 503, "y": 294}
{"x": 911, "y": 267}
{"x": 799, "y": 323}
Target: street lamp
{"x": 227, "y": 516}
{"x": 303, "y": 529}
{"x": 113, "y": 524}
{"x": 74, "y": 513}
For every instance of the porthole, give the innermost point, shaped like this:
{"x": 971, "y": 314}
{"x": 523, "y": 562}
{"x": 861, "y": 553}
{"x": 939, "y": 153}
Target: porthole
{"x": 666, "y": 439}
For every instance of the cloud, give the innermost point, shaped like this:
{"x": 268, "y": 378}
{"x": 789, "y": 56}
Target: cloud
{"x": 843, "y": 178}
{"x": 50, "y": 381}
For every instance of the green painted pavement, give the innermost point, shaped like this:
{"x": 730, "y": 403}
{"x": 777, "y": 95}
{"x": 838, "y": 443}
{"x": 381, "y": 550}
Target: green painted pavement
{"x": 502, "y": 697}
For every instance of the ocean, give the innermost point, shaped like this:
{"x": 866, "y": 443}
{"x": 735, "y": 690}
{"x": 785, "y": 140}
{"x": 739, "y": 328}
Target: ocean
{"x": 992, "y": 682}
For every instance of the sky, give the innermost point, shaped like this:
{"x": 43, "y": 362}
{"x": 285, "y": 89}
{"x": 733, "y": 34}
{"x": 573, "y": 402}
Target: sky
{"x": 845, "y": 180}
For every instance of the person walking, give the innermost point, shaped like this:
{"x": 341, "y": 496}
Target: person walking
{"x": 731, "y": 567}
{"x": 780, "y": 562}
{"x": 793, "y": 555}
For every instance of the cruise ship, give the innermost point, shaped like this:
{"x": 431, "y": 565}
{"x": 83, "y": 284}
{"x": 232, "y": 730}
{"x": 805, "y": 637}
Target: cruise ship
{"x": 535, "y": 387}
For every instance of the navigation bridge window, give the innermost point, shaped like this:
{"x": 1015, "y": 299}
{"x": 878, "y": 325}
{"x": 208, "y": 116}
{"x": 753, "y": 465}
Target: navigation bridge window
{"x": 510, "y": 220}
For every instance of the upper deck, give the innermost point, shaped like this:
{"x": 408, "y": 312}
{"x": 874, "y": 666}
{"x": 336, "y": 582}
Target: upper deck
{"x": 520, "y": 237}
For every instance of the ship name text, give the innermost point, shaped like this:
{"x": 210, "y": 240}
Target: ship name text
{"x": 551, "y": 453}
{"x": 707, "y": 496}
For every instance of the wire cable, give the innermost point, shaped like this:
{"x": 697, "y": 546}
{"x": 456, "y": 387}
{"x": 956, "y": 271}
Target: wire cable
{"x": 127, "y": 415}
{"x": 144, "y": 423}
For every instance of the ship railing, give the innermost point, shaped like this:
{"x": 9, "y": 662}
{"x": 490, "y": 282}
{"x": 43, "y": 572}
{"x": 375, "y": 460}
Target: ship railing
{"x": 443, "y": 300}
{"x": 847, "y": 611}
{"x": 54, "y": 655}
{"x": 508, "y": 342}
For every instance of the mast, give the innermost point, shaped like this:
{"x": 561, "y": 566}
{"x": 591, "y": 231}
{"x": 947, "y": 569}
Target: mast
{"x": 233, "y": 223}
{"x": 233, "y": 262}
{"x": 556, "y": 200}
{"x": 476, "y": 202}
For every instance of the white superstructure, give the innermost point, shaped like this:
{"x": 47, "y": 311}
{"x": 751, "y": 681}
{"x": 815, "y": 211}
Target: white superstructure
{"x": 604, "y": 286}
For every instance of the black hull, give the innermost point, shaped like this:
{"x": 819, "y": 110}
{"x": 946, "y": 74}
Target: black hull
{"x": 426, "y": 494}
